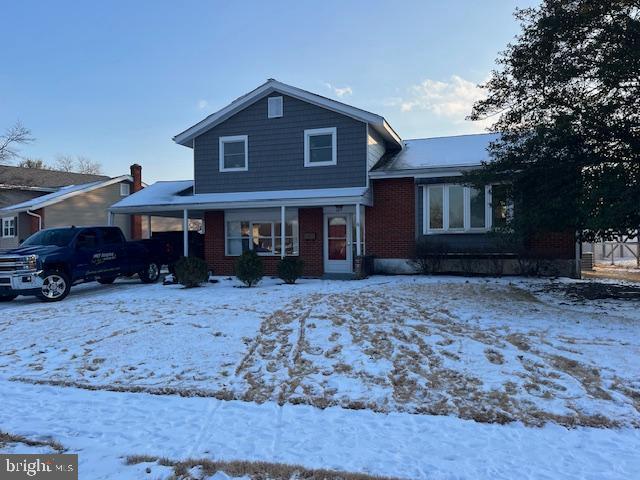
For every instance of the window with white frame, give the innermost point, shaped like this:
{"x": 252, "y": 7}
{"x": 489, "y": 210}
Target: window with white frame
{"x": 450, "y": 208}
{"x": 274, "y": 107}
{"x": 125, "y": 189}
{"x": 234, "y": 153}
{"x": 320, "y": 147}
{"x": 263, "y": 234}
{"x": 9, "y": 227}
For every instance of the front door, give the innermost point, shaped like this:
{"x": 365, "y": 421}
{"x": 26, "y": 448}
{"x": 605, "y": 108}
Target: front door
{"x": 337, "y": 243}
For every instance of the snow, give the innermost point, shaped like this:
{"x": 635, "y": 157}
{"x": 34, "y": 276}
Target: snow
{"x": 251, "y": 366}
{"x": 439, "y": 152}
{"x": 105, "y": 427}
{"x": 167, "y": 194}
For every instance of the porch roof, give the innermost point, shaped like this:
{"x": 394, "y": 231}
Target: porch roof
{"x": 165, "y": 198}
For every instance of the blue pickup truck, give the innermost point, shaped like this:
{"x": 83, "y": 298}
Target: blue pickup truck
{"x": 50, "y": 261}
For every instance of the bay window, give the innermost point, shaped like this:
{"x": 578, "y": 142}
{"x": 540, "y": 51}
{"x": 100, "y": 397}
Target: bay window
{"x": 450, "y": 208}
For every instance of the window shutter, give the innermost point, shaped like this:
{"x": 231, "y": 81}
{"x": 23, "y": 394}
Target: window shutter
{"x": 274, "y": 107}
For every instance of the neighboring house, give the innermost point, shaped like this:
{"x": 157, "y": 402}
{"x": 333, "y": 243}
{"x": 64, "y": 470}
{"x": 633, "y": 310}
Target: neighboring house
{"x": 32, "y": 199}
{"x": 341, "y": 181}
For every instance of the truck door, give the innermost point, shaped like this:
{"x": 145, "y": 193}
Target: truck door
{"x": 112, "y": 252}
{"x": 86, "y": 253}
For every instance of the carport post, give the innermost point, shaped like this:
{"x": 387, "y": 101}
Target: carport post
{"x": 358, "y": 232}
{"x": 110, "y": 218}
{"x": 148, "y": 226}
{"x": 185, "y": 232}
{"x": 283, "y": 223}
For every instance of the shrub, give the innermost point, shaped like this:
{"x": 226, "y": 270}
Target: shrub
{"x": 249, "y": 268}
{"x": 290, "y": 269}
{"x": 429, "y": 256}
{"x": 191, "y": 271}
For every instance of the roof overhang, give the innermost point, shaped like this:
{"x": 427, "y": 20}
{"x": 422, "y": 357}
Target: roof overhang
{"x": 377, "y": 122}
{"x": 449, "y": 171}
{"x": 238, "y": 200}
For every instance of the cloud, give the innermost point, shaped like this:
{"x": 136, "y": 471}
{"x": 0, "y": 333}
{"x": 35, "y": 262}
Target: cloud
{"x": 339, "y": 91}
{"x": 202, "y": 104}
{"x": 451, "y": 100}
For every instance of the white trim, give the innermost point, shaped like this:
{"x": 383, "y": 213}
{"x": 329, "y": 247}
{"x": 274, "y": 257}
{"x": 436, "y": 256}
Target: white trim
{"x": 333, "y": 131}
{"x": 12, "y": 219}
{"x": 271, "y": 107}
{"x": 466, "y": 195}
{"x": 233, "y": 139}
{"x": 358, "y": 232}
{"x": 125, "y": 189}
{"x": 185, "y": 233}
{"x": 283, "y": 231}
{"x": 271, "y": 85}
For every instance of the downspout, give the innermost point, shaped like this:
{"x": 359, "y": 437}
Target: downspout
{"x": 39, "y": 217}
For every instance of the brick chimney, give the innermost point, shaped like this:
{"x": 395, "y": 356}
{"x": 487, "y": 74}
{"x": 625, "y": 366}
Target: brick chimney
{"x": 136, "y": 220}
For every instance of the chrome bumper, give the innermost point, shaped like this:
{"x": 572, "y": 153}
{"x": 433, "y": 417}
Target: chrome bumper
{"x": 20, "y": 281}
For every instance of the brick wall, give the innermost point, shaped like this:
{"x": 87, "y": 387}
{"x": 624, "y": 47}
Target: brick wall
{"x": 311, "y": 249}
{"x": 552, "y": 245}
{"x": 391, "y": 222}
{"x": 34, "y": 222}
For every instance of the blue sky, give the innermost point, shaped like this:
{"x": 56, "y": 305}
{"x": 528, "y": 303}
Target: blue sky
{"x": 115, "y": 80}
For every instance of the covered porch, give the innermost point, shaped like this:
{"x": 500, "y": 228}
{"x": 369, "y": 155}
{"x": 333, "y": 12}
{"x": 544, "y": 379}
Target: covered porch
{"x": 323, "y": 227}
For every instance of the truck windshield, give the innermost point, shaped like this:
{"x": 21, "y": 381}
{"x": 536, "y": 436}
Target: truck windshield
{"x": 60, "y": 237}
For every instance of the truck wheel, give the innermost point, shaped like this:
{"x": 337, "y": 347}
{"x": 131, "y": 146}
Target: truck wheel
{"x": 106, "y": 281}
{"x": 7, "y": 298}
{"x": 55, "y": 286}
{"x": 150, "y": 273}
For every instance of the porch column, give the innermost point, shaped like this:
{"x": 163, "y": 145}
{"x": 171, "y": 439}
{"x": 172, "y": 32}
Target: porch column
{"x": 148, "y": 226}
{"x": 110, "y": 218}
{"x": 283, "y": 222}
{"x": 185, "y": 232}
{"x": 358, "y": 232}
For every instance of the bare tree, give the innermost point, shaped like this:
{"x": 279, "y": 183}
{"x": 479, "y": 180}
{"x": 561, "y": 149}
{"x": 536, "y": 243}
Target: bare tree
{"x": 86, "y": 165}
{"x": 27, "y": 162}
{"x": 65, "y": 163}
{"x": 13, "y": 136}
{"x": 79, "y": 164}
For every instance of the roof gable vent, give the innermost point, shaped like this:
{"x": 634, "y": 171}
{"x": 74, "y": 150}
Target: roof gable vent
{"x": 274, "y": 107}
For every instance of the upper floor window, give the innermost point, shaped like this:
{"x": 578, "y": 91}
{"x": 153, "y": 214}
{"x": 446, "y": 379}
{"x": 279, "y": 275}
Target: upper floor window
{"x": 456, "y": 208}
{"x": 320, "y": 147}
{"x": 234, "y": 154}
{"x": 125, "y": 189}
{"x": 274, "y": 107}
{"x": 9, "y": 227}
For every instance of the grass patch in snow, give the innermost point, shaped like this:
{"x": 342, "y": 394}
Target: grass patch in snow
{"x": 253, "y": 470}
{"x": 9, "y": 438}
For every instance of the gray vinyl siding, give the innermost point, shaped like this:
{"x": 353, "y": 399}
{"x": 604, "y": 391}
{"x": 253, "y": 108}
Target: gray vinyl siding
{"x": 375, "y": 148}
{"x": 87, "y": 209}
{"x": 276, "y": 150}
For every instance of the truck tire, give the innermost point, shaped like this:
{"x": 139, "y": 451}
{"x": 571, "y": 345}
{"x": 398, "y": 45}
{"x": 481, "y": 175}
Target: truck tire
{"x": 150, "y": 273}
{"x": 55, "y": 286}
{"x": 106, "y": 281}
{"x": 7, "y": 298}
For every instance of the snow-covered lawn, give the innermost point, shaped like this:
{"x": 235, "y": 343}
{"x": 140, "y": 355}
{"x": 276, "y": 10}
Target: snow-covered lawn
{"x": 347, "y": 375}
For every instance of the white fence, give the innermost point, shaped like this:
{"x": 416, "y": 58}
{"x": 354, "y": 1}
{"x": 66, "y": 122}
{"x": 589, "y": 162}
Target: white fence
{"x": 626, "y": 250}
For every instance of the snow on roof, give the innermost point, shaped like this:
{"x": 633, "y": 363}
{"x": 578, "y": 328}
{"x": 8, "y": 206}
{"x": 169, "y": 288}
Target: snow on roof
{"x": 441, "y": 152}
{"x": 170, "y": 196}
{"x": 60, "y": 195}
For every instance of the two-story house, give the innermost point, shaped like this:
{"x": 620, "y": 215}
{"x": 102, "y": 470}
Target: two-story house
{"x": 283, "y": 171}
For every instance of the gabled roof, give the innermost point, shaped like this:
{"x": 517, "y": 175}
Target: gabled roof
{"x": 41, "y": 179}
{"x": 423, "y": 154}
{"x": 61, "y": 194}
{"x": 377, "y": 122}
